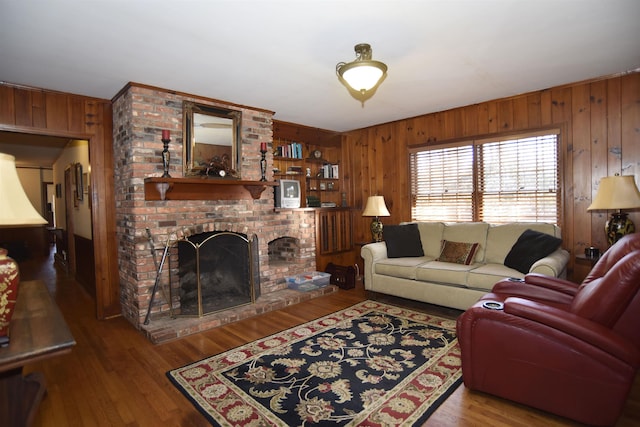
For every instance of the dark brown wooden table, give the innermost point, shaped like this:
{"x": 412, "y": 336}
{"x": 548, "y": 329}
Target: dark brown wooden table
{"x": 38, "y": 332}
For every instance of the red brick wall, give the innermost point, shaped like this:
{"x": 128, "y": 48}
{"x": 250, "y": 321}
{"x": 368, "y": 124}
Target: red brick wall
{"x": 140, "y": 114}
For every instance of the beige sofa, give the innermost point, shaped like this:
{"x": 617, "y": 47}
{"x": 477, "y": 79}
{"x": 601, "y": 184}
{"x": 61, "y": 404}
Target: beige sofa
{"x": 425, "y": 278}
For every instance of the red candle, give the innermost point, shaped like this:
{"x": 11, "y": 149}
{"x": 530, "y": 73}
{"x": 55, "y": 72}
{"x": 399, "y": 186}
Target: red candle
{"x": 263, "y": 146}
{"x": 166, "y": 134}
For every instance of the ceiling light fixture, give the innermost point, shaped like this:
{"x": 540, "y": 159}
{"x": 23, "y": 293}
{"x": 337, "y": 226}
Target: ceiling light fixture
{"x": 363, "y": 74}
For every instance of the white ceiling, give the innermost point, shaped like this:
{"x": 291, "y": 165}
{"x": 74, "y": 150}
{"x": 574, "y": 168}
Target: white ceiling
{"x": 281, "y": 55}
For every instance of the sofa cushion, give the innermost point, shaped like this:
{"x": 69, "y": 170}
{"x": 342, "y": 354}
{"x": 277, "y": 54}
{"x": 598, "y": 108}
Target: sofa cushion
{"x": 501, "y": 238}
{"x": 400, "y": 267}
{"x": 487, "y": 275}
{"x": 403, "y": 241}
{"x": 468, "y": 232}
{"x": 444, "y": 272}
{"x": 431, "y": 237}
{"x": 530, "y": 247}
{"x": 458, "y": 252}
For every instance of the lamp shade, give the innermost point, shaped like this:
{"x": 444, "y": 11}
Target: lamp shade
{"x": 376, "y": 207}
{"x": 616, "y": 192}
{"x": 15, "y": 208}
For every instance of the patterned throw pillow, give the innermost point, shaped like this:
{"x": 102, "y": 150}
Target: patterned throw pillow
{"x": 458, "y": 252}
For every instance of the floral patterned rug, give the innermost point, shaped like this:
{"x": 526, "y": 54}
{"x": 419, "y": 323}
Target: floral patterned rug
{"x": 371, "y": 364}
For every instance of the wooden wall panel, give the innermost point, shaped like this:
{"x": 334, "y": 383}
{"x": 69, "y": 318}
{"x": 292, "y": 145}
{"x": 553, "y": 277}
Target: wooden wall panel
{"x": 37, "y": 111}
{"x": 7, "y": 106}
{"x": 598, "y": 147}
{"x": 600, "y": 136}
{"x": 580, "y": 107}
{"x": 56, "y": 112}
{"x": 630, "y": 132}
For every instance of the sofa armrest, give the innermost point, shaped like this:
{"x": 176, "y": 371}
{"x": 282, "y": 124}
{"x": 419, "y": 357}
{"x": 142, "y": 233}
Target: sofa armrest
{"x": 371, "y": 253}
{"x": 552, "y": 265}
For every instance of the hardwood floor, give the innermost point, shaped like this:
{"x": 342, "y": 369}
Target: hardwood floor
{"x": 115, "y": 377}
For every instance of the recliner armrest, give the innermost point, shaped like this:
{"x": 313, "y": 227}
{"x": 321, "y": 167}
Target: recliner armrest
{"x": 576, "y": 326}
{"x": 555, "y": 283}
{"x": 507, "y": 288}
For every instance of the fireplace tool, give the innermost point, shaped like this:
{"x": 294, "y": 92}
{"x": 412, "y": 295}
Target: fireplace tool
{"x": 159, "y": 268}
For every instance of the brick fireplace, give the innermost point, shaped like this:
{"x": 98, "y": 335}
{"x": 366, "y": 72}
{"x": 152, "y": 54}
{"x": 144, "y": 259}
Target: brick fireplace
{"x": 140, "y": 114}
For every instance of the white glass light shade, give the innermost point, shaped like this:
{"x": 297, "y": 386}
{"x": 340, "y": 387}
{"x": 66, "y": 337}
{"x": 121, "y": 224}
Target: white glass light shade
{"x": 376, "y": 207}
{"x": 616, "y": 192}
{"x": 15, "y": 207}
{"x": 364, "y": 75}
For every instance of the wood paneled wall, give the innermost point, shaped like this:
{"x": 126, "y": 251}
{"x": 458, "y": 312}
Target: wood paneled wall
{"x": 42, "y": 112}
{"x": 600, "y": 136}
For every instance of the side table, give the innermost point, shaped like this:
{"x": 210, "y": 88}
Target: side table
{"x": 38, "y": 332}
{"x": 583, "y": 259}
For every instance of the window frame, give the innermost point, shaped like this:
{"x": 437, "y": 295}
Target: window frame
{"x": 474, "y": 142}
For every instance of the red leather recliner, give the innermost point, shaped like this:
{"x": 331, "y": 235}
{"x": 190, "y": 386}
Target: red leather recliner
{"x": 567, "y": 349}
{"x": 559, "y": 292}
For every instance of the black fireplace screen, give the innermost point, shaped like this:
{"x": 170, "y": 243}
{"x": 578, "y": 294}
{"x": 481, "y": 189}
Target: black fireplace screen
{"x": 217, "y": 270}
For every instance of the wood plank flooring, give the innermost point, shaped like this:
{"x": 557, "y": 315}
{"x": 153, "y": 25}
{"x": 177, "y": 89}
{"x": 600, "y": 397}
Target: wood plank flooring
{"x": 115, "y": 377}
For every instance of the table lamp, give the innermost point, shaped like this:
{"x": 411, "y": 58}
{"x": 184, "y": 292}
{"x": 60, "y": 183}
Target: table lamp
{"x": 617, "y": 192}
{"x": 15, "y": 211}
{"x": 376, "y": 208}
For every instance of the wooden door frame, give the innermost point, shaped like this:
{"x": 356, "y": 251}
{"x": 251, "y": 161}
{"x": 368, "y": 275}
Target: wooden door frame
{"x": 99, "y": 210}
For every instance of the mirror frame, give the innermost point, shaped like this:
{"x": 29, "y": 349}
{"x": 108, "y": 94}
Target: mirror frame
{"x": 190, "y": 164}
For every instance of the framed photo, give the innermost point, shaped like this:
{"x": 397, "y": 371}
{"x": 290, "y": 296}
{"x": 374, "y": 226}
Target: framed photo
{"x": 79, "y": 181}
{"x": 58, "y": 191}
{"x": 85, "y": 183}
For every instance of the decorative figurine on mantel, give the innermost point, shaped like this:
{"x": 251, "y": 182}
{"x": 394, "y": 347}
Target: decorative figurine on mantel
{"x": 219, "y": 167}
{"x": 166, "y": 156}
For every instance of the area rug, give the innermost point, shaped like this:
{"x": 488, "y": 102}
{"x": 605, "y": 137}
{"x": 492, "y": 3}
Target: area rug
{"x": 371, "y": 364}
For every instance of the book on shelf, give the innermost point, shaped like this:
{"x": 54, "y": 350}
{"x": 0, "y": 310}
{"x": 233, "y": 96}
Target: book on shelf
{"x": 330, "y": 171}
{"x": 292, "y": 150}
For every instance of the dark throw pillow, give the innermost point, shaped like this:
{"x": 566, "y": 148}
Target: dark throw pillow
{"x": 529, "y": 248}
{"x": 402, "y": 240}
{"x": 458, "y": 252}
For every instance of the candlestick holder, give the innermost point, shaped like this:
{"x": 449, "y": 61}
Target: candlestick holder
{"x": 263, "y": 164}
{"x": 166, "y": 156}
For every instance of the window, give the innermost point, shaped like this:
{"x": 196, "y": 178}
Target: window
{"x": 497, "y": 180}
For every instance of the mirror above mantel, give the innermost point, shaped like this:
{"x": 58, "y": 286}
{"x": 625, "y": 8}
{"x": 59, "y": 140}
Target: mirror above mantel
{"x": 211, "y": 141}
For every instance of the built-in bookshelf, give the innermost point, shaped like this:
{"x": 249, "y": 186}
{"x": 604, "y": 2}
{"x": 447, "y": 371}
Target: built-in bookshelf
{"x": 319, "y": 176}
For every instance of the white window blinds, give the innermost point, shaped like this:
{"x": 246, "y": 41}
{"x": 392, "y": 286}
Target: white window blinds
{"x": 497, "y": 181}
{"x": 442, "y": 184}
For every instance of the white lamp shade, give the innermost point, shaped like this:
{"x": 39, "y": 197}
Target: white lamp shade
{"x": 616, "y": 192}
{"x": 362, "y": 76}
{"x": 376, "y": 207}
{"x": 15, "y": 207}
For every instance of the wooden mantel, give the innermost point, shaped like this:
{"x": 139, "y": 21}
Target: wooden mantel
{"x": 156, "y": 188}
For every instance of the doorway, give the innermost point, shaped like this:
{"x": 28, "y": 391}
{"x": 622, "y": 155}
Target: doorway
{"x": 63, "y": 198}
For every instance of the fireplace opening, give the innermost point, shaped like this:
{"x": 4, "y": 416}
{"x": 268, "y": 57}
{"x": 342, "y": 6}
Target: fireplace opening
{"x": 283, "y": 250}
{"x": 217, "y": 270}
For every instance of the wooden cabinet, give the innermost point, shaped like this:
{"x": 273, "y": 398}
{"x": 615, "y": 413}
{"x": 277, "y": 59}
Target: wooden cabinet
{"x": 334, "y": 237}
{"x": 333, "y": 228}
